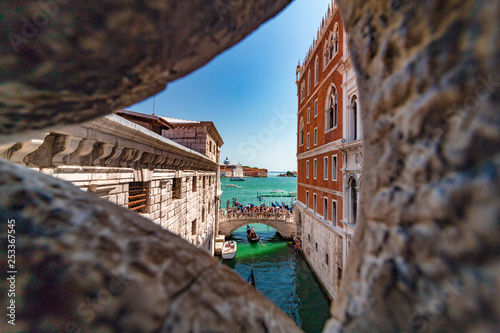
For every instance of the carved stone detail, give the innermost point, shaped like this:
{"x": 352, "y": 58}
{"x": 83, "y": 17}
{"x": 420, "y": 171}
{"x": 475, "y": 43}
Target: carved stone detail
{"x": 84, "y": 148}
{"x": 114, "y": 157}
{"x": 69, "y": 144}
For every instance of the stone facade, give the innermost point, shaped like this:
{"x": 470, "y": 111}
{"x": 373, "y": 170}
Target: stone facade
{"x": 329, "y": 152}
{"x": 428, "y": 82}
{"x": 109, "y": 156}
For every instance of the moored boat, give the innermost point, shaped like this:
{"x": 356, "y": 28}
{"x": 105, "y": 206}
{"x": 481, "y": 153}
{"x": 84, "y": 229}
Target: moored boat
{"x": 238, "y": 179}
{"x": 229, "y": 250}
{"x": 252, "y": 237}
{"x": 231, "y": 185}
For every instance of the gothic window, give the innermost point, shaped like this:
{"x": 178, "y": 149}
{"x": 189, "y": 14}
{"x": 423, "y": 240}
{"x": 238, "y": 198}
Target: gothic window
{"x": 330, "y": 48}
{"x": 301, "y": 132}
{"x": 308, "y": 115}
{"x": 354, "y": 126}
{"x": 307, "y": 201}
{"x": 316, "y": 71}
{"x": 336, "y": 39}
{"x": 325, "y": 209}
{"x": 315, "y": 108}
{"x": 308, "y": 140}
{"x": 325, "y": 55}
{"x": 354, "y": 200}
{"x": 331, "y": 112}
{"x": 315, "y": 136}
{"x": 334, "y": 212}
{"x": 308, "y": 82}
{"x": 314, "y": 204}
{"x": 303, "y": 91}
{"x": 307, "y": 169}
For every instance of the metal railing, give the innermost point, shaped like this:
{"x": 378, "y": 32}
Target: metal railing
{"x": 225, "y": 216}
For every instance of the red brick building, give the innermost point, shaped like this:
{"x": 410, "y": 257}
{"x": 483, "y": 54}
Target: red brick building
{"x": 329, "y": 131}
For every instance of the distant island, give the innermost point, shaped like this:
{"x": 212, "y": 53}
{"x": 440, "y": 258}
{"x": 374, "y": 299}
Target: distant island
{"x": 288, "y": 174}
{"x": 237, "y": 170}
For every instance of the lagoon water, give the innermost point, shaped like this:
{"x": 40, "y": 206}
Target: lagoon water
{"x": 281, "y": 274}
{"x": 246, "y": 192}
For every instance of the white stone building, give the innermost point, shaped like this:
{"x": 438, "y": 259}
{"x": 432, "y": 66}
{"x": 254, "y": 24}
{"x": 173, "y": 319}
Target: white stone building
{"x": 129, "y": 163}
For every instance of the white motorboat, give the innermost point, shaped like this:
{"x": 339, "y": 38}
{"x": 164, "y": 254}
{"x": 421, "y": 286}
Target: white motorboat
{"x": 229, "y": 250}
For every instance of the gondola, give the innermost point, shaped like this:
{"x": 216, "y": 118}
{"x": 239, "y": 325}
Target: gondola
{"x": 251, "y": 279}
{"x": 254, "y": 239}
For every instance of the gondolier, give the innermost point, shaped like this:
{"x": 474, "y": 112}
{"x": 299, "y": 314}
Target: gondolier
{"x": 252, "y": 235}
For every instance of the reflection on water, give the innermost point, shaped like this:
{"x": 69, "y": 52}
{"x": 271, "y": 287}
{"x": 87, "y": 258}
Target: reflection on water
{"x": 282, "y": 275}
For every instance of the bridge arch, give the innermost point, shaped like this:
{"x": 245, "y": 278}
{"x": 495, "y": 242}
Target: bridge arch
{"x": 284, "y": 225}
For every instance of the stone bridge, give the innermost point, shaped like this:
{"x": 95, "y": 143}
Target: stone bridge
{"x": 283, "y": 223}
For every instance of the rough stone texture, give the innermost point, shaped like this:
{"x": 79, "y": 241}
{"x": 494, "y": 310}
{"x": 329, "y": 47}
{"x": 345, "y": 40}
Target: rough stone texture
{"x": 71, "y": 61}
{"x": 425, "y": 256}
{"x": 86, "y": 264}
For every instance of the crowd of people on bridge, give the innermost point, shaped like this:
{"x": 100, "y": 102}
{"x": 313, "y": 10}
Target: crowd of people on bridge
{"x": 263, "y": 208}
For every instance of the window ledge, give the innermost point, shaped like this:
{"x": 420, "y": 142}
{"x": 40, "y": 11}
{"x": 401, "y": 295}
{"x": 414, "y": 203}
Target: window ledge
{"x": 331, "y": 129}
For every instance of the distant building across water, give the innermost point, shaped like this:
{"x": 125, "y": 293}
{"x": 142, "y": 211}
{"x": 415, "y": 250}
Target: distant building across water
{"x": 232, "y": 170}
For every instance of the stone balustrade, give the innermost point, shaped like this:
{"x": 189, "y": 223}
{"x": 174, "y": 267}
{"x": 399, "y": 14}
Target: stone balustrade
{"x": 283, "y": 223}
{"x": 288, "y": 217}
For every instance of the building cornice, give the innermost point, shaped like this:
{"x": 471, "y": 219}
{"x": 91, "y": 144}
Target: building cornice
{"x": 351, "y": 146}
{"x": 326, "y": 148}
{"x": 322, "y": 189}
{"x": 110, "y": 141}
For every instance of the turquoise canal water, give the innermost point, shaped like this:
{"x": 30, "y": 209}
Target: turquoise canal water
{"x": 246, "y": 192}
{"x": 281, "y": 274}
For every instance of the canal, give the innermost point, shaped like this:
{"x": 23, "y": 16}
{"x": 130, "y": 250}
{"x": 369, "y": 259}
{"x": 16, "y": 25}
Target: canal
{"x": 282, "y": 275}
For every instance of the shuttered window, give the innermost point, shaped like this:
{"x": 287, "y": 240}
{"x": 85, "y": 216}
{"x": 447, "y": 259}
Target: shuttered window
{"x": 138, "y": 197}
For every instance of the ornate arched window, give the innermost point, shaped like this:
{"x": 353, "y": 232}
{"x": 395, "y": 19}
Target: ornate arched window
{"x": 325, "y": 55}
{"x": 302, "y": 91}
{"x": 308, "y": 82}
{"x": 336, "y": 38}
{"x": 316, "y": 71}
{"x": 353, "y": 197}
{"x": 301, "y": 132}
{"x": 354, "y": 127}
{"x": 331, "y": 111}
{"x": 331, "y": 47}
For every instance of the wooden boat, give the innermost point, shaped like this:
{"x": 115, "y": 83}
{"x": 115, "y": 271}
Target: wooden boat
{"x": 231, "y": 185}
{"x": 229, "y": 250}
{"x": 251, "y": 278}
{"x": 255, "y": 238}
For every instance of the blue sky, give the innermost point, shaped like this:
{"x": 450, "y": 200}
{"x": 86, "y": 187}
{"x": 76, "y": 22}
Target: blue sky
{"x": 249, "y": 91}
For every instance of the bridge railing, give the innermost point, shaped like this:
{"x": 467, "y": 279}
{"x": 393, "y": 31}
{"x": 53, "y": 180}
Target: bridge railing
{"x": 225, "y": 216}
